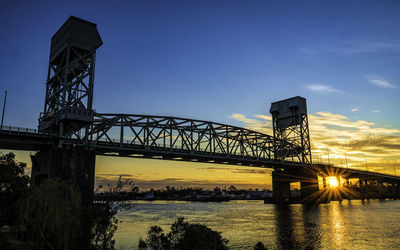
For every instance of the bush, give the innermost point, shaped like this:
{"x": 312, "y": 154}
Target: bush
{"x": 13, "y": 186}
{"x": 102, "y": 224}
{"x": 184, "y": 235}
{"x": 260, "y": 246}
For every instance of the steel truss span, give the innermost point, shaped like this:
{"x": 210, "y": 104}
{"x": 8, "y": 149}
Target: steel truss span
{"x": 176, "y": 139}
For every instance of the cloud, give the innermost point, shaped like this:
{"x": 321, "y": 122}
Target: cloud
{"x": 355, "y": 109}
{"x": 376, "y": 111}
{"x": 360, "y": 140}
{"x": 145, "y": 184}
{"x": 239, "y": 170}
{"x": 262, "y": 123}
{"x": 352, "y": 48}
{"x": 323, "y": 89}
{"x": 381, "y": 83}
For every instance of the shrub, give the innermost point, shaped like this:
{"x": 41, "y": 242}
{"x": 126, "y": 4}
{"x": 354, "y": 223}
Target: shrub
{"x": 13, "y": 186}
{"x": 184, "y": 235}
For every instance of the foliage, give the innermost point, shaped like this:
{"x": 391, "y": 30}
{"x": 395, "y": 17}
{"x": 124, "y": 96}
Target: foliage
{"x": 260, "y": 246}
{"x": 51, "y": 213}
{"x": 142, "y": 244}
{"x": 184, "y": 235}
{"x": 102, "y": 225}
{"x": 13, "y": 186}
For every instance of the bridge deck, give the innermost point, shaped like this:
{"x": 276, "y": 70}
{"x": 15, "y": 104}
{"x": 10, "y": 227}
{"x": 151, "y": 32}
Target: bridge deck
{"x": 14, "y": 138}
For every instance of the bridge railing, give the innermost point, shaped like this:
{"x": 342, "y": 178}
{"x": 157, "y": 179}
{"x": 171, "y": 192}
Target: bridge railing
{"x": 19, "y": 130}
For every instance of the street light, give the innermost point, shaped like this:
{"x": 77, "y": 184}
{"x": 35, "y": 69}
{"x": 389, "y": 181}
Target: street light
{"x": 4, "y": 107}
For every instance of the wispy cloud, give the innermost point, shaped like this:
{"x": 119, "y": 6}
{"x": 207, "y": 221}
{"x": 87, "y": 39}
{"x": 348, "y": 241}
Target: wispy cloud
{"x": 320, "y": 88}
{"x": 146, "y": 184}
{"x": 381, "y": 83}
{"x": 263, "y": 123}
{"x": 351, "y": 47}
{"x": 239, "y": 170}
{"x": 355, "y": 109}
{"x": 376, "y": 111}
{"x": 359, "y": 139}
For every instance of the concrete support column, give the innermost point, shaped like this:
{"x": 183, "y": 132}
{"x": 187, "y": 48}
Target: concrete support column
{"x": 309, "y": 188}
{"x": 75, "y": 165}
{"x": 280, "y": 188}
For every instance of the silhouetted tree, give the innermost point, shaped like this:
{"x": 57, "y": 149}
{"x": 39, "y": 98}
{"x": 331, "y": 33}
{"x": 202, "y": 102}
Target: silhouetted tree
{"x": 260, "y": 246}
{"x": 102, "y": 224}
{"x": 184, "y": 235}
{"x": 13, "y": 186}
{"x": 51, "y": 213}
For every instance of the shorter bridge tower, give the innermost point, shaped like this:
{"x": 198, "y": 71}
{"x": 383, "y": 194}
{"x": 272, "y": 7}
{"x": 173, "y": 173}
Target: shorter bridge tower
{"x": 292, "y": 143}
{"x": 290, "y": 124}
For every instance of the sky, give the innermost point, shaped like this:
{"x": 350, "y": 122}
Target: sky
{"x": 223, "y": 61}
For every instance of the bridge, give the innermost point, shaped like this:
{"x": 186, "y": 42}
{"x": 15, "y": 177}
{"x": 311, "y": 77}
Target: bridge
{"x": 70, "y": 133}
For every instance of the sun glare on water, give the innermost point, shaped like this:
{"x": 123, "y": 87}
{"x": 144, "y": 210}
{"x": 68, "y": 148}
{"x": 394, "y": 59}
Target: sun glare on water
{"x": 332, "y": 181}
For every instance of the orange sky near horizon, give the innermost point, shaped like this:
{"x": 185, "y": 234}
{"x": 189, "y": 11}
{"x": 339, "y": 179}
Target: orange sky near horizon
{"x": 363, "y": 143}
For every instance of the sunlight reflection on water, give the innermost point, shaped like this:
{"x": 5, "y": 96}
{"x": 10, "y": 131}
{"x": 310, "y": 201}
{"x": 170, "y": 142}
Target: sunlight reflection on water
{"x": 355, "y": 224}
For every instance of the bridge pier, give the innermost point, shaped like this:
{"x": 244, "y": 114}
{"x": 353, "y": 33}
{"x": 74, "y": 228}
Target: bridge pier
{"x": 309, "y": 190}
{"x": 75, "y": 165}
{"x": 280, "y": 188}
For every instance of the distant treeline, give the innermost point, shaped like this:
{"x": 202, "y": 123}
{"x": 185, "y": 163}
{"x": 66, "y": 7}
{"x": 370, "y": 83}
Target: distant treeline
{"x": 126, "y": 190}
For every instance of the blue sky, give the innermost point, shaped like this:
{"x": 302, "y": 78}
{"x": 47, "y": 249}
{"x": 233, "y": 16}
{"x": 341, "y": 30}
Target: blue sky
{"x": 210, "y": 60}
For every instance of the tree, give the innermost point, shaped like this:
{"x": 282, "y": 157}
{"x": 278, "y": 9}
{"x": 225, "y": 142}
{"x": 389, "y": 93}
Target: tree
{"x": 13, "y": 186}
{"x": 51, "y": 213}
{"x": 260, "y": 246}
{"x": 184, "y": 235}
{"x": 54, "y": 218}
{"x": 102, "y": 224}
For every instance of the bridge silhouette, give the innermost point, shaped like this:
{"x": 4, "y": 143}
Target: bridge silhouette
{"x": 70, "y": 133}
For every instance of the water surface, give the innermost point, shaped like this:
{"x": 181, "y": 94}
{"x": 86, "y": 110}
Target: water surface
{"x": 337, "y": 225}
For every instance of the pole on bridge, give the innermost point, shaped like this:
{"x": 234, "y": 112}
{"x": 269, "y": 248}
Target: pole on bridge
{"x": 4, "y": 107}
{"x": 329, "y": 161}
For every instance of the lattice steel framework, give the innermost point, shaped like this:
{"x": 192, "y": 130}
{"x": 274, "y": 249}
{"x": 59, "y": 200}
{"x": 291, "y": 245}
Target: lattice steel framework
{"x": 69, "y": 85}
{"x": 293, "y": 143}
{"x": 142, "y": 134}
{"x": 291, "y": 133}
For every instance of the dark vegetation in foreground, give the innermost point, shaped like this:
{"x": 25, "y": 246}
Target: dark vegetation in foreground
{"x": 52, "y": 216}
{"x": 184, "y": 235}
{"x": 49, "y": 216}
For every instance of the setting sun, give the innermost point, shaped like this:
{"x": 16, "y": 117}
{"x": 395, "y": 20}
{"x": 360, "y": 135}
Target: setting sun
{"x": 332, "y": 181}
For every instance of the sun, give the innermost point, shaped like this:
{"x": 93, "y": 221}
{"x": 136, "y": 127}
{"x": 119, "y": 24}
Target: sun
{"x": 332, "y": 181}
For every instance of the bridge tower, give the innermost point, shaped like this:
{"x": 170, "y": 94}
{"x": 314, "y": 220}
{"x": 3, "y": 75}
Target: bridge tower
{"x": 292, "y": 142}
{"x": 69, "y": 87}
{"x": 290, "y": 125}
{"x": 68, "y": 105}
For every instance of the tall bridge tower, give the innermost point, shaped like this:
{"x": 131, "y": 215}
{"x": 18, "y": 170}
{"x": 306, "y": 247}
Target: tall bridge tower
{"x": 69, "y": 87}
{"x": 68, "y": 105}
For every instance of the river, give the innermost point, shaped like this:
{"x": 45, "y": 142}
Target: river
{"x": 338, "y": 225}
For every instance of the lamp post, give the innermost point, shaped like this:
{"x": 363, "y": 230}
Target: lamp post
{"x": 4, "y": 107}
